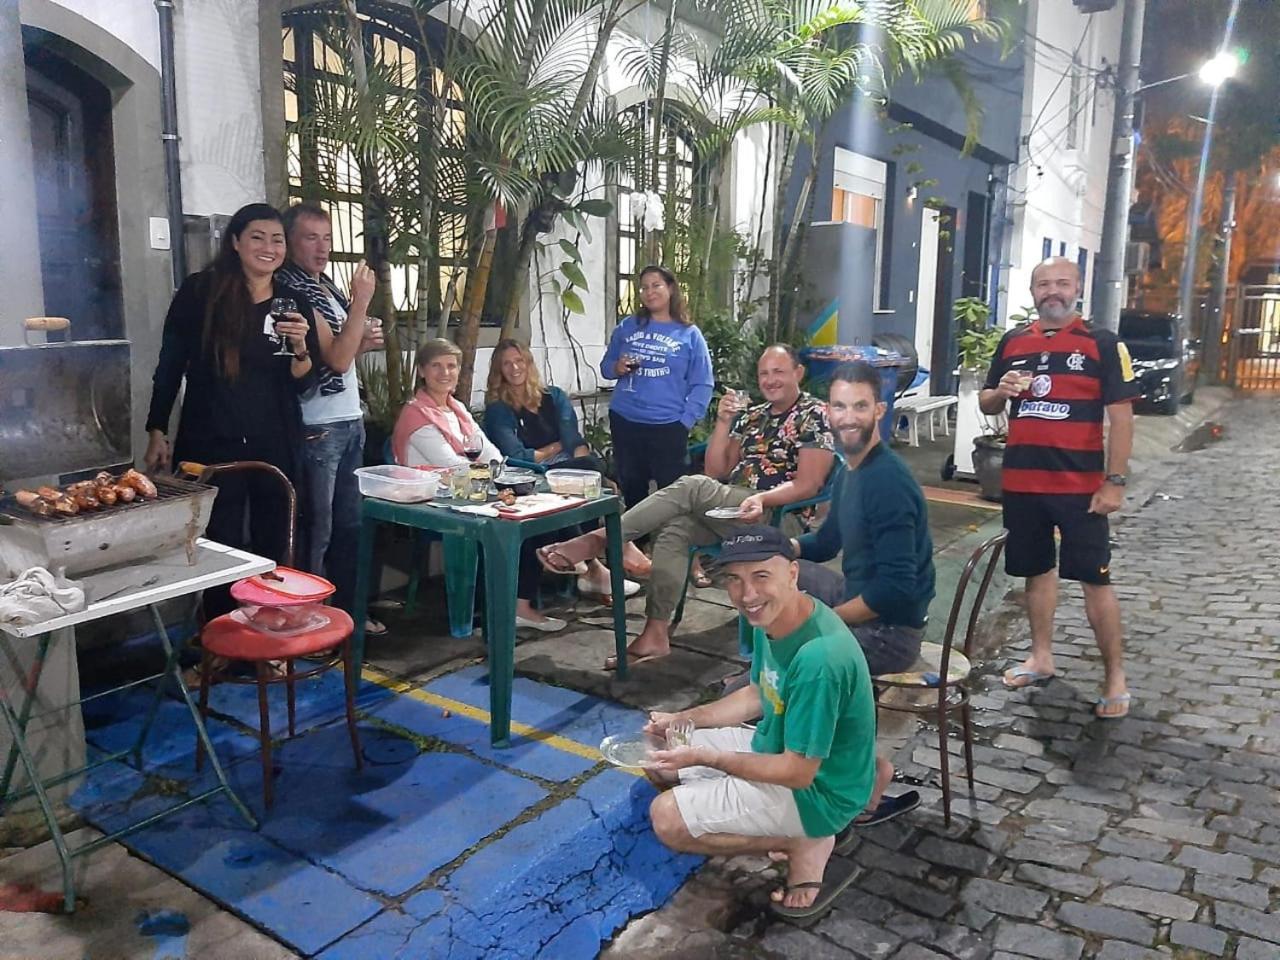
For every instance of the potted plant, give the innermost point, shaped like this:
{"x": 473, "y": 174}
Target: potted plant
{"x": 980, "y": 439}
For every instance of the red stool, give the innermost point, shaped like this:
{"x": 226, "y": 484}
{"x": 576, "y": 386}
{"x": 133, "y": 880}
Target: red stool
{"x": 227, "y": 638}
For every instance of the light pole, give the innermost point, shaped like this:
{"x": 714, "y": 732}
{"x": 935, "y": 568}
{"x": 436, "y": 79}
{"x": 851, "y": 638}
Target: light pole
{"x": 1215, "y": 72}
{"x": 1113, "y": 291}
{"x": 1115, "y": 215}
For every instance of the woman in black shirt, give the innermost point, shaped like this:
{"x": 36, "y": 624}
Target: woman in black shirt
{"x": 241, "y": 399}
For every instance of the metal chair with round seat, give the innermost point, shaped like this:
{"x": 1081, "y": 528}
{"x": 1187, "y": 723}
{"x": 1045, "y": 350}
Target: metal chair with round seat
{"x": 945, "y": 670}
{"x": 232, "y": 638}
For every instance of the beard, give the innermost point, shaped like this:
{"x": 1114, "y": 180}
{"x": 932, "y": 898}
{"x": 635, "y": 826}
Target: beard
{"x": 1051, "y": 308}
{"x": 854, "y": 440}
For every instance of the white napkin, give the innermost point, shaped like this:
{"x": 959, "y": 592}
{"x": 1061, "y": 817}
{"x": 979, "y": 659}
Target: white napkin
{"x": 38, "y": 595}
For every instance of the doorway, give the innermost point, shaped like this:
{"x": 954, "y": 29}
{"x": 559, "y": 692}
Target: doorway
{"x": 942, "y": 354}
{"x": 78, "y": 224}
{"x": 926, "y": 293}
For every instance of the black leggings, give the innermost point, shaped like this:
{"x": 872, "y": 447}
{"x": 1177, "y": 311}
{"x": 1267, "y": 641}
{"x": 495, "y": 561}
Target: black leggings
{"x": 647, "y": 451}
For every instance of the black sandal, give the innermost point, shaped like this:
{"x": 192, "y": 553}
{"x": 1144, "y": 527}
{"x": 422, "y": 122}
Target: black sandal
{"x": 836, "y": 877}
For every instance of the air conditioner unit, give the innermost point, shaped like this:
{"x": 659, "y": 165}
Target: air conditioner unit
{"x": 1095, "y": 6}
{"x": 1137, "y": 258}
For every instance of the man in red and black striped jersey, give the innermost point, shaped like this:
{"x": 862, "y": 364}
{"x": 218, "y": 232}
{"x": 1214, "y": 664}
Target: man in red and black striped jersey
{"x": 1060, "y": 377}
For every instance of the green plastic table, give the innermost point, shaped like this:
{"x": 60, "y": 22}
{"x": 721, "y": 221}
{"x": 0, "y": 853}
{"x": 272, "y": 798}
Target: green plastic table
{"x": 500, "y": 539}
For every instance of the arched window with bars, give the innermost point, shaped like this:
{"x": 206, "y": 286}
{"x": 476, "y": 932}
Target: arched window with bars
{"x": 677, "y": 177}
{"x": 415, "y": 157}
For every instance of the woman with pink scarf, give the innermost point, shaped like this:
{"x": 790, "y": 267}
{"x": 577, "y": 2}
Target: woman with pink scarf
{"x": 432, "y": 430}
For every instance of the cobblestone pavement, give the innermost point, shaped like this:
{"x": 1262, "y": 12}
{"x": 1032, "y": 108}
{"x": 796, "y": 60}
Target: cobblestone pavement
{"x": 1154, "y": 836}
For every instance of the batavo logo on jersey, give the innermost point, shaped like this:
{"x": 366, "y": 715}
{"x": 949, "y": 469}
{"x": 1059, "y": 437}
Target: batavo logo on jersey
{"x": 1044, "y": 409}
{"x": 1126, "y": 362}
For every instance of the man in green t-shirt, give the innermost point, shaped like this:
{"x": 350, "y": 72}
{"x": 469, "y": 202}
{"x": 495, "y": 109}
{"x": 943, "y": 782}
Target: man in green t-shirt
{"x": 808, "y": 768}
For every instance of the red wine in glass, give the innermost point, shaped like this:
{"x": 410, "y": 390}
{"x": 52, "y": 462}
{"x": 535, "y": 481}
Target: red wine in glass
{"x": 472, "y": 445}
{"x": 633, "y": 363}
{"x": 281, "y": 307}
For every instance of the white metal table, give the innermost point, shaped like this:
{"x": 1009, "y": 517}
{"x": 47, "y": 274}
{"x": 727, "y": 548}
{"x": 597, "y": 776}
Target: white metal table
{"x": 123, "y": 589}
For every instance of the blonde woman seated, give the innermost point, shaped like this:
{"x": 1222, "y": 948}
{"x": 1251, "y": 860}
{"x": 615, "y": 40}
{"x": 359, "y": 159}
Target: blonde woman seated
{"x": 433, "y": 430}
{"x": 532, "y": 422}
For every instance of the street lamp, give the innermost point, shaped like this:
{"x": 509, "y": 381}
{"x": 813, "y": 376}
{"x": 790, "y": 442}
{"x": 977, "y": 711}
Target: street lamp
{"x": 1215, "y": 72}
{"x": 1220, "y": 69}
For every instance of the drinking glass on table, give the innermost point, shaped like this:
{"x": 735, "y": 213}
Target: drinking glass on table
{"x": 472, "y": 444}
{"x": 281, "y": 309}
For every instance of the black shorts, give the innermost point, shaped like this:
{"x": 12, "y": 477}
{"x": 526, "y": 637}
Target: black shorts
{"x": 1030, "y": 518}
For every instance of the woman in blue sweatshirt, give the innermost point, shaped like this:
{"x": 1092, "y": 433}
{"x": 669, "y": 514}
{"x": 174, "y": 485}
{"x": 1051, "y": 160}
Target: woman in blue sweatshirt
{"x": 664, "y": 371}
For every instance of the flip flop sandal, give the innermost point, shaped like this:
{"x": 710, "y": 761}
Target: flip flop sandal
{"x": 633, "y": 659}
{"x": 565, "y": 568}
{"x": 836, "y": 878}
{"x": 702, "y": 581}
{"x": 886, "y": 810}
{"x": 374, "y": 628}
{"x": 1120, "y": 700}
{"x": 1019, "y": 677}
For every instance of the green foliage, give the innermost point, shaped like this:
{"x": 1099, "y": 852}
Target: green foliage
{"x": 976, "y": 338}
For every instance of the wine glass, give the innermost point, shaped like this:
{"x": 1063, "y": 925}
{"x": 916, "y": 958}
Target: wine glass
{"x": 632, "y": 362}
{"x": 281, "y": 307}
{"x": 472, "y": 444}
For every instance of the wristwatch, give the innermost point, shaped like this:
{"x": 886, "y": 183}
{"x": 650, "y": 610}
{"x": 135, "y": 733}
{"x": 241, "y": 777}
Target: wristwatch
{"x": 1116, "y": 479}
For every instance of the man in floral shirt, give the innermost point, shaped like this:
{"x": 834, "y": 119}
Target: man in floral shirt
{"x": 766, "y": 456}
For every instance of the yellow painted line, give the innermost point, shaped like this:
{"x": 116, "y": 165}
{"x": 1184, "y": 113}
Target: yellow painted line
{"x": 554, "y": 740}
{"x": 958, "y": 498}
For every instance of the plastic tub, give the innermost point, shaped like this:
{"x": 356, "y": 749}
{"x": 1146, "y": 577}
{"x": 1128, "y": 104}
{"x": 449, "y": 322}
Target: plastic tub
{"x": 394, "y": 482}
{"x": 573, "y": 482}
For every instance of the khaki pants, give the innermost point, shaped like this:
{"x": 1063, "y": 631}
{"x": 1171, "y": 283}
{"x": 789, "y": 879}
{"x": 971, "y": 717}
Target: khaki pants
{"x": 677, "y": 517}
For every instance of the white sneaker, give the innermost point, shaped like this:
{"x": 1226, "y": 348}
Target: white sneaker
{"x": 549, "y": 625}
{"x": 585, "y": 585}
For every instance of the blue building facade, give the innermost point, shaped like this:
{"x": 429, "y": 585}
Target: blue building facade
{"x": 903, "y": 219}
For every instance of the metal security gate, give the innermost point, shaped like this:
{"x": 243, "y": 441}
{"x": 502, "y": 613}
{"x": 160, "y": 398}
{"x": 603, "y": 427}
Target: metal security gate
{"x": 1252, "y": 339}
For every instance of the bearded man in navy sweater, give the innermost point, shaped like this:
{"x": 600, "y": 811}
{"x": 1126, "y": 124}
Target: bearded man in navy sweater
{"x": 880, "y": 525}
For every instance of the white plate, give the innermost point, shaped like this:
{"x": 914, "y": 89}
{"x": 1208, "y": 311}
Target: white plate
{"x": 631, "y": 749}
{"x": 725, "y": 513}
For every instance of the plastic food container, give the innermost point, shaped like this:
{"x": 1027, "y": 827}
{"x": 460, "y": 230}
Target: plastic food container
{"x": 573, "y": 482}
{"x": 402, "y": 484}
{"x": 282, "y": 620}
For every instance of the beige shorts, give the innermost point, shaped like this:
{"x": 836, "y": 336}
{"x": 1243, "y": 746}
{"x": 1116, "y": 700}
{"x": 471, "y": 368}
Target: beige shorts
{"x": 711, "y": 801}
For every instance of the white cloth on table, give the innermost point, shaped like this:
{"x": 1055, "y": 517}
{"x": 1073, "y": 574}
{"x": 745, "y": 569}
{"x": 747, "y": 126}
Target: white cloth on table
{"x": 38, "y": 595}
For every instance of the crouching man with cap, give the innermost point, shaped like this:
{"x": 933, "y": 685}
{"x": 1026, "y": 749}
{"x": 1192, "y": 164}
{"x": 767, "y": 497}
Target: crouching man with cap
{"x": 809, "y": 766}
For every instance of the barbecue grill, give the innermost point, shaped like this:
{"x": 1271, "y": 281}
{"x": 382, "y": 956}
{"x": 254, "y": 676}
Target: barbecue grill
{"x": 65, "y": 410}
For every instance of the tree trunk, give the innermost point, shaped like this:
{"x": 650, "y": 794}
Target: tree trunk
{"x": 789, "y": 281}
{"x": 528, "y": 236}
{"x": 787, "y": 165}
{"x": 653, "y": 238}
{"x": 472, "y": 309}
{"x": 375, "y": 220}
{"x": 754, "y": 270}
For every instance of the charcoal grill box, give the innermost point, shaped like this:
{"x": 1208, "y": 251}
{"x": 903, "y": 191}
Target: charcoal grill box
{"x": 64, "y": 409}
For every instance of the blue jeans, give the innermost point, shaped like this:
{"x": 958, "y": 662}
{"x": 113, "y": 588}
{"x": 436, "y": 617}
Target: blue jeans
{"x": 332, "y": 452}
{"x": 888, "y": 648}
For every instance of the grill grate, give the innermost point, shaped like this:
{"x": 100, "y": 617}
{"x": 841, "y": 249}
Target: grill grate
{"x": 167, "y": 488}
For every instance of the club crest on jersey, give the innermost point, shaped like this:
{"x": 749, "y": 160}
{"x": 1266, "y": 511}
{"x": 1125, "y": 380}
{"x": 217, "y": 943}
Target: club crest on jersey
{"x": 1041, "y": 385}
{"x": 1075, "y": 361}
{"x": 1044, "y": 410}
{"x": 1044, "y": 361}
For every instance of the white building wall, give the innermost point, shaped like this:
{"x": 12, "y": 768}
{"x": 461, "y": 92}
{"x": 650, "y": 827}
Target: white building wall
{"x": 133, "y": 22}
{"x": 219, "y": 105}
{"x": 1058, "y": 192}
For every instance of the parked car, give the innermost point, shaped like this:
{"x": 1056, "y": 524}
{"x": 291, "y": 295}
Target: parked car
{"x": 1164, "y": 360}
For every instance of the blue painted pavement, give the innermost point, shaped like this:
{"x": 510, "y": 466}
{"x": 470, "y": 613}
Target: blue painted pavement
{"x": 441, "y": 847}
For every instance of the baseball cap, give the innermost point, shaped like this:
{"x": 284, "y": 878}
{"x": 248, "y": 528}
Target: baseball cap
{"x": 755, "y": 543}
